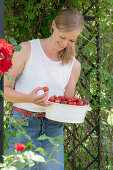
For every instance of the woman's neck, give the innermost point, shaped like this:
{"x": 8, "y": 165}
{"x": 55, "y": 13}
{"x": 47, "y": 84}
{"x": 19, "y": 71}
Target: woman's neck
{"x": 49, "y": 49}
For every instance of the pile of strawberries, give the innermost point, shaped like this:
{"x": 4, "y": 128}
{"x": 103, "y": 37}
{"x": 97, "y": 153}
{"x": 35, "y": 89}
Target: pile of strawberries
{"x": 68, "y": 100}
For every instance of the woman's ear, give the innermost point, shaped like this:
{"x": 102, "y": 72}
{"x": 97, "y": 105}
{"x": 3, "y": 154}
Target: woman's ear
{"x": 53, "y": 24}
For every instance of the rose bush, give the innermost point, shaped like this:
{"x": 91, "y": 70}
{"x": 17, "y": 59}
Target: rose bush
{"x": 6, "y": 51}
{"x": 22, "y": 157}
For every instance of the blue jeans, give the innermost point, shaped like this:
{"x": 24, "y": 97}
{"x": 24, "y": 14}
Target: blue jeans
{"x": 36, "y": 127}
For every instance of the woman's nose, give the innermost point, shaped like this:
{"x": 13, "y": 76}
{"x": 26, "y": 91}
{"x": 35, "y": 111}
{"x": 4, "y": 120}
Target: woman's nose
{"x": 65, "y": 43}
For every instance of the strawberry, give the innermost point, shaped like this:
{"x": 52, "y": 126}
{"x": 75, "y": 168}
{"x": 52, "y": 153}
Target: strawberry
{"x": 79, "y": 104}
{"x": 45, "y": 89}
{"x": 74, "y": 98}
{"x": 52, "y": 99}
{"x": 74, "y": 103}
{"x": 70, "y": 103}
{"x": 78, "y": 100}
{"x": 64, "y": 102}
{"x": 70, "y": 99}
{"x": 65, "y": 98}
{"x": 60, "y": 97}
{"x": 58, "y": 100}
{"x": 55, "y": 96}
{"x": 85, "y": 102}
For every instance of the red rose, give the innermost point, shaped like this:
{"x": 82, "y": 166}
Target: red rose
{"x": 20, "y": 147}
{"x": 5, "y": 65}
{"x": 5, "y": 48}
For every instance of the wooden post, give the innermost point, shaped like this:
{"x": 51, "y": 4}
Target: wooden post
{"x": 1, "y": 85}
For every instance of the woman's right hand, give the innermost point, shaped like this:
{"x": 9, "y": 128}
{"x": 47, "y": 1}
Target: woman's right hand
{"x": 39, "y": 99}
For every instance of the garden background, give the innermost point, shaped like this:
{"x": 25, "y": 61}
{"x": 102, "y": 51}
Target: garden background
{"x": 26, "y": 20}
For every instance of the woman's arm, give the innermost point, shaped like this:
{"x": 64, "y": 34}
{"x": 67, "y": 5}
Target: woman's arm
{"x": 19, "y": 61}
{"x": 75, "y": 73}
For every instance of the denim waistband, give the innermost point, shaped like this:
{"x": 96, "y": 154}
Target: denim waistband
{"x": 35, "y": 114}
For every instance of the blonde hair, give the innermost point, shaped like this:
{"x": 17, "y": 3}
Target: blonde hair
{"x": 69, "y": 20}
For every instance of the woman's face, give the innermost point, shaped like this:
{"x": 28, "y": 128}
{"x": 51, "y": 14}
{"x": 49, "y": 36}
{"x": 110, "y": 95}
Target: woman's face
{"x": 62, "y": 40}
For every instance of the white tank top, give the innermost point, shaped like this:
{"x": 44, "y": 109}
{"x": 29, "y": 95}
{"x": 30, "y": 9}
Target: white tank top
{"x": 42, "y": 71}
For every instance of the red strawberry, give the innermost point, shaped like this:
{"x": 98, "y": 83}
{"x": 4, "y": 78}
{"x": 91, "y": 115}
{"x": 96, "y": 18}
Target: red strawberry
{"x": 64, "y": 102}
{"x": 74, "y": 103}
{"x": 65, "y": 98}
{"x": 85, "y": 102}
{"x": 58, "y": 100}
{"x": 74, "y": 98}
{"x": 60, "y": 97}
{"x": 78, "y": 100}
{"x": 52, "y": 99}
{"x": 55, "y": 96}
{"x": 70, "y": 103}
{"x": 79, "y": 104}
{"x": 45, "y": 89}
{"x": 70, "y": 99}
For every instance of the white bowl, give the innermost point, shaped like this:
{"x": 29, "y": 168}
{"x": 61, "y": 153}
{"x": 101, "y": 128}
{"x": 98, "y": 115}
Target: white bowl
{"x": 67, "y": 113}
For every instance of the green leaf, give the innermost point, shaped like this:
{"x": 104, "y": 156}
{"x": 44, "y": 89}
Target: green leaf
{"x": 53, "y": 141}
{"x": 27, "y": 136}
{"x": 28, "y": 154}
{"x": 12, "y": 41}
{"x": 1, "y": 93}
{"x": 8, "y": 134}
{"x": 0, "y": 76}
{"x": 108, "y": 45}
{"x": 17, "y": 48}
{"x": 42, "y": 137}
{"x": 41, "y": 150}
{"x": 61, "y": 139}
{"x": 19, "y": 133}
{"x": 38, "y": 158}
{"x": 9, "y": 78}
{"x": 20, "y": 164}
{"x": 12, "y": 120}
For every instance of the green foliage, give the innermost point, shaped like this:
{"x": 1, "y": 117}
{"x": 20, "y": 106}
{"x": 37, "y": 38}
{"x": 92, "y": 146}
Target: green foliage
{"x": 9, "y": 77}
{"x": 26, "y": 158}
{"x": 1, "y": 93}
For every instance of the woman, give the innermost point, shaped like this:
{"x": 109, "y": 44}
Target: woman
{"x": 45, "y": 62}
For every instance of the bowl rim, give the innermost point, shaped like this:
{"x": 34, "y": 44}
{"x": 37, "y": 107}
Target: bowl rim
{"x": 67, "y": 105}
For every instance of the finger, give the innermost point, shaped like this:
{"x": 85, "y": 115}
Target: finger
{"x": 39, "y": 97}
{"x": 34, "y": 92}
{"x": 42, "y": 102}
{"x": 48, "y": 103}
{"x": 37, "y": 89}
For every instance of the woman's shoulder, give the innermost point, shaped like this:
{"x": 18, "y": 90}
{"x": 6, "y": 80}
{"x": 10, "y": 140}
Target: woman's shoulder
{"x": 76, "y": 64}
{"x": 24, "y": 54}
{"x": 25, "y": 44}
